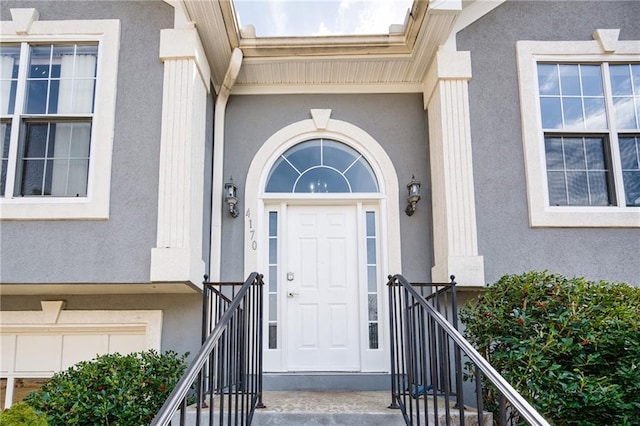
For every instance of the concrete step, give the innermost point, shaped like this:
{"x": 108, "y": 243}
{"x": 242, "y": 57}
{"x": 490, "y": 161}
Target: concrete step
{"x": 326, "y": 381}
{"x": 327, "y": 408}
{"x": 335, "y": 408}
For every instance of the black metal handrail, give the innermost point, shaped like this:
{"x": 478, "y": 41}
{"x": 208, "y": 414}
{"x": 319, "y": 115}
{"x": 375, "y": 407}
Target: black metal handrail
{"x": 225, "y": 375}
{"x": 427, "y": 351}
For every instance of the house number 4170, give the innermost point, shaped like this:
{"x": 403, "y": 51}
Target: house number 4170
{"x": 252, "y": 232}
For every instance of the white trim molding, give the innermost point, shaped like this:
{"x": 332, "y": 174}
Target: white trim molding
{"x": 455, "y": 233}
{"x": 177, "y": 256}
{"x": 604, "y": 48}
{"x": 25, "y": 28}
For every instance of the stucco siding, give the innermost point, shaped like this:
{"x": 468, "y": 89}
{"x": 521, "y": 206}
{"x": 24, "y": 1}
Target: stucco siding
{"x": 396, "y": 122}
{"x": 118, "y": 249}
{"x": 507, "y": 242}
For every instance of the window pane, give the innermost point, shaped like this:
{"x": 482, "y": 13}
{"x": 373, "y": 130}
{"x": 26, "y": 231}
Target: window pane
{"x": 37, "y": 141}
{"x": 282, "y": 177}
{"x": 32, "y": 178}
{"x": 273, "y": 279}
{"x": 635, "y": 71}
{"x": 37, "y": 91}
{"x": 273, "y": 336}
{"x": 71, "y": 139}
{"x": 554, "y": 153}
{"x": 75, "y": 180}
{"x": 632, "y": 188}
{"x": 569, "y": 80}
{"x": 371, "y": 224}
{"x": 598, "y": 189}
{"x": 372, "y": 279}
{"x": 322, "y": 180}
{"x": 594, "y": 113}
{"x": 5, "y": 137}
{"x": 620, "y": 80}
{"x": 548, "y": 81}
{"x": 273, "y": 307}
{"x": 578, "y": 188}
{"x": 591, "y": 80}
{"x": 373, "y": 307}
{"x": 371, "y": 251}
{"x": 574, "y": 154}
{"x": 625, "y": 113}
{"x": 52, "y": 103}
{"x": 39, "y": 62}
{"x": 572, "y": 108}
{"x": 362, "y": 178}
{"x": 273, "y": 224}
{"x": 304, "y": 155}
{"x": 551, "y": 113}
{"x": 373, "y": 335}
{"x": 630, "y": 157}
{"x": 630, "y": 153}
{"x": 595, "y": 154}
{"x": 9, "y": 61}
{"x": 557, "y": 189}
{"x": 273, "y": 251}
{"x": 338, "y": 155}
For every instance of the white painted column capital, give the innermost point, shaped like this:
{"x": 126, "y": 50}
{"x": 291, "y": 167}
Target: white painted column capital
{"x": 447, "y": 65}
{"x": 446, "y": 98}
{"x": 185, "y": 44}
{"x": 177, "y": 256}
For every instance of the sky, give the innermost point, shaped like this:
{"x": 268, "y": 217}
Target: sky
{"x": 290, "y": 18}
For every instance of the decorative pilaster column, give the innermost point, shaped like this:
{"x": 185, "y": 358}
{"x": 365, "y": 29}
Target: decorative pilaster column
{"x": 454, "y": 210}
{"x": 177, "y": 256}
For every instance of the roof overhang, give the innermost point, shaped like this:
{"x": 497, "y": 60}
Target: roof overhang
{"x": 395, "y": 62}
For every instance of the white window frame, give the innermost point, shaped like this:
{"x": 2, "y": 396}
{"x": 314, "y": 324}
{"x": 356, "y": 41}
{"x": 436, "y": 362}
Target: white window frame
{"x": 529, "y": 53}
{"x": 106, "y": 33}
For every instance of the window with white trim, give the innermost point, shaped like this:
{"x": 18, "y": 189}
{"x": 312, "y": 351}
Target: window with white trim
{"x": 581, "y": 132}
{"x": 584, "y": 138}
{"x": 55, "y": 103}
{"x": 57, "y": 114}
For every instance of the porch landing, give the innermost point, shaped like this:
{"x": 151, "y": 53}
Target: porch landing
{"x": 337, "y": 408}
{"x": 327, "y": 408}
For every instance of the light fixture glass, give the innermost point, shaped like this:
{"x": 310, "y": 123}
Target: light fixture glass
{"x": 231, "y": 191}
{"x": 414, "y": 196}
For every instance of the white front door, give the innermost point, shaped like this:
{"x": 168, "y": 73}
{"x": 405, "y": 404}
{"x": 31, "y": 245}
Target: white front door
{"x": 322, "y": 331}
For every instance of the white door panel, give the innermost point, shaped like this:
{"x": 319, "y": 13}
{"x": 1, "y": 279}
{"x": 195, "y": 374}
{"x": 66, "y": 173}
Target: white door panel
{"x": 322, "y": 329}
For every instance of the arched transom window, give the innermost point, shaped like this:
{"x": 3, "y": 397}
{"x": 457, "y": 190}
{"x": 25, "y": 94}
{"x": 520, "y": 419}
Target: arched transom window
{"x": 321, "y": 166}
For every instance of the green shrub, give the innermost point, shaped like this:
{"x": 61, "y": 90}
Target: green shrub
{"x": 21, "y": 414}
{"x": 571, "y": 347}
{"x": 110, "y": 390}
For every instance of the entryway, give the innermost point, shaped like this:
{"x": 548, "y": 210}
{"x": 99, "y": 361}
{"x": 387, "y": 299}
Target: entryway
{"x": 321, "y": 217}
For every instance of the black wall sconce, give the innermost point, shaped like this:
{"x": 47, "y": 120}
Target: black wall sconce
{"x": 414, "y": 196}
{"x": 231, "y": 191}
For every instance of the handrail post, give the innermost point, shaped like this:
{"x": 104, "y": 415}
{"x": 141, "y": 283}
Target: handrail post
{"x": 392, "y": 346}
{"x": 417, "y": 312}
{"x": 224, "y": 356}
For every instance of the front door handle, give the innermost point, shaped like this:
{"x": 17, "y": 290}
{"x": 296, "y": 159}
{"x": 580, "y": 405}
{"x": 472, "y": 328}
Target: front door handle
{"x": 292, "y": 294}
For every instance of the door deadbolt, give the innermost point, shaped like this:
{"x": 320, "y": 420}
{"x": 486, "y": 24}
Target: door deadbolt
{"x": 289, "y": 276}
